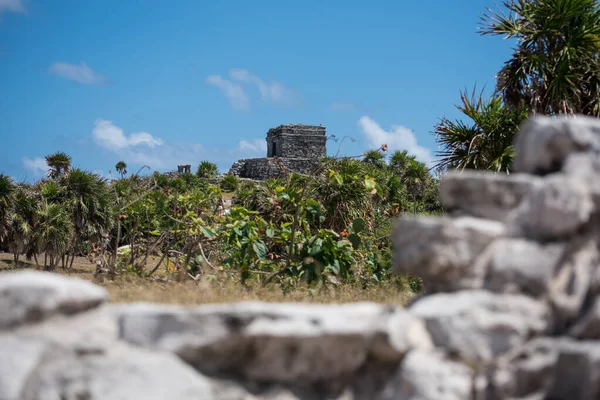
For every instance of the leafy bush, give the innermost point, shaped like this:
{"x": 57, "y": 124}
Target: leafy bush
{"x": 229, "y": 183}
{"x": 326, "y": 228}
{"x": 207, "y": 170}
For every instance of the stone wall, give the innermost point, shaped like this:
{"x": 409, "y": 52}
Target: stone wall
{"x": 264, "y": 168}
{"x": 511, "y": 309}
{"x": 290, "y": 148}
{"x": 297, "y": 141}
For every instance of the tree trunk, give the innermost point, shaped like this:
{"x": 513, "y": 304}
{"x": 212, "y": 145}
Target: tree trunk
{"x": 159, "y": 262}
{"x": 113, "y": 263}
{"x": 415, "y": 203}
{"x": 131, "y": 244}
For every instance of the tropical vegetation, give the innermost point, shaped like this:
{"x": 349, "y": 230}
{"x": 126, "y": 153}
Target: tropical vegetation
{"x": 554, "y": 70}
{"x": 326, "y": 227}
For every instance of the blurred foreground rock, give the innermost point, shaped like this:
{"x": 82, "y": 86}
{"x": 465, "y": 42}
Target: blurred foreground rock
{"x": 511, "y": 311}
{"x": 515, "y": 295}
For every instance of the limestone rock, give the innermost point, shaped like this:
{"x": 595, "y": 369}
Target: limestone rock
{"x": 550, "y": 368}
{"x": 558, "y": 208}
{"x": 595, "y": 281}
{"x": 30, "y": 296}
{"x": 517, "y": 265}
{"x": 480, "y": 325}
{"x": 485, "y": 194}
{"x": 93, "y": 331}
{"x": 18, "y": 359}
{"x": 527, "y": 372}
{"x": 122, "y": 373}
{"x": 284, "y": 343}
{"x": 442, "y": 250}
{"x": 429, "y": 376}
{"x": 589, "y": 325}
{"x": 543, "y": 143}
{"x": 586, "y": 168}
{"x": 577, "y": 371}
{"x": 570, "y": 286}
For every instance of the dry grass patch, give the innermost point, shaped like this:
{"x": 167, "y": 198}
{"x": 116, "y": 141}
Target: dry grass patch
{"x": 131, "y": 289}
{"x": 128, "y": 289}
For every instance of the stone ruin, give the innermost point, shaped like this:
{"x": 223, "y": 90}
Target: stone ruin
{"x": 184, "y": 169}
{"x": 511, "y": 310}
{"x": 290, "y": 148}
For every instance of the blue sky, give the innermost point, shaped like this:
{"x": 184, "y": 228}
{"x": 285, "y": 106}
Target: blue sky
{"x": 161, "y": 83}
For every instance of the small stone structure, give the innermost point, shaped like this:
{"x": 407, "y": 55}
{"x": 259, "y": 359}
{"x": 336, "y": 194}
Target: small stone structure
{"x": 290, "y": 148}
{"x": 512, "y": 309}
{"x": 184, "y": 169}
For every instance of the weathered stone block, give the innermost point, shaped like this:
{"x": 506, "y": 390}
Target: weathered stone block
{"x": 543, "y": 143}
{"x": 558, "y": 208}
{"x": 30, "y": 296}
{"x": 443, "y": 250}
{"x": 485, "y": 194}
{"x": 480, "y": 325}
{"x": 517, "y": 265}
{"x": 588, "y": 327}
{"x": 428, "y": 375}
{"x": 282, "y": 343}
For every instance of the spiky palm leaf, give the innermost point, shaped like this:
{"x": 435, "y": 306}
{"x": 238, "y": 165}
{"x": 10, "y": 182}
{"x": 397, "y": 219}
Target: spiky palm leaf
{"x": 6, "y": 203}
{"x": 121, "y": 168}
{"x": 345, "y": 201}
{"x": 22, "y": 220}
{"x": 374, "y": 158}
{"x": 54, "y": 230}
{"x": 207, "y": 170}
{"x": 59, "y": 163}
{"x": 485, "y": 142}
{"x": 399, "y": 160}
{"x": 90, "y": 202}
{"x": 555, "y": 67}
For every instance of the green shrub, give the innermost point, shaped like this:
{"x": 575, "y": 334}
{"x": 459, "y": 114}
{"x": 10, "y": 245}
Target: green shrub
{"x": 207, "y": 170}
{"x": 229, "y": 183}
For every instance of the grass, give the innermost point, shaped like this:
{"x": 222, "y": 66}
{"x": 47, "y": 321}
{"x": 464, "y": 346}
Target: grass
{"x": 129, "y": 288}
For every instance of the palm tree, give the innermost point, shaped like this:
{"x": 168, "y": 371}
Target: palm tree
{"x": 374, "y": 158}
{"x": 399, "y": 160}
{"x": 486, "y": 142}
{"x": 415, "y": 178}
{"x": 59, "y": 163}
{"x": 22, "y": 221}
{"x": 208, "y": 170}
{"x": 89, "y": 202}
{"x": 345, "y": 199}
{"x": 6, "y": 202}
{"x": 53, "y": 232}
{"x": 121, "y": 168}
{"x": 555, "y": 68}
{"x": 51, "y": 191}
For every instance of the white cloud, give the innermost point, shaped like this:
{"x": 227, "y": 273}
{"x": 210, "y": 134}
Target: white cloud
{"x": 36, "y": 165}
{"x": 141, "y": 148}
{"x": 111, "y": 137}
{"x": 273, "y": 91}
{"x": 397, "y": 138}
{"x": 81, "y": 73}
{"x": 255, "y": 146}
{"x": 12, "y": 6}
{"x": 233, "y": 88}
{"x": 234, "y": 92}
{"x": 341, "y": 106}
